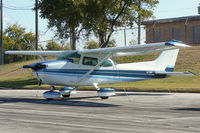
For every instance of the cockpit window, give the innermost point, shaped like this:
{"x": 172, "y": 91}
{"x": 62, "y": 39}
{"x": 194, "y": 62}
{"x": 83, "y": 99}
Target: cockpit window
{"x": 90, "y": 61}
{"x": 107, "y": 63}
{"x": 73, "y": 57}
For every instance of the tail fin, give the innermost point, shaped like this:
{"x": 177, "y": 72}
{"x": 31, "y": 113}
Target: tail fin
{"x": 166, "y": 61}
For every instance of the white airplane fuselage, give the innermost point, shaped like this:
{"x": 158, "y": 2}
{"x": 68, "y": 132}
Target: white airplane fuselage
{"x": 67, "y": 74}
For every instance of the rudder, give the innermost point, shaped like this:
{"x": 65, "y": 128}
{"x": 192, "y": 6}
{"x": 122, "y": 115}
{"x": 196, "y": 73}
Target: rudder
{"x": 167, "y": 59}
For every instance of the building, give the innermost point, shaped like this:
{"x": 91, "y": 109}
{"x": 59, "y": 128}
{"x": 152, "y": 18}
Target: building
{"x": 186, "y": 29}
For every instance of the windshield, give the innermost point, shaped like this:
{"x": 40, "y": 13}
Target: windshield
{"x": 107, "y": 63}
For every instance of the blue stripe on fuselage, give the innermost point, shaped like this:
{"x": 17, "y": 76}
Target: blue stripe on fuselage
{"x": 120, "y": 73}
{"x": 95, "y": 76}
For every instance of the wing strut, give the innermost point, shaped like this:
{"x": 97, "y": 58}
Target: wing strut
{"x": 91, "y": 70}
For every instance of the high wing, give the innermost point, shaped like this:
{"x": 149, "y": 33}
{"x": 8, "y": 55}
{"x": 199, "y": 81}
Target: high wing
{"x": 114, "y": 51}
{"x": 43, "y": 53}
{"x": 136, "y": 50}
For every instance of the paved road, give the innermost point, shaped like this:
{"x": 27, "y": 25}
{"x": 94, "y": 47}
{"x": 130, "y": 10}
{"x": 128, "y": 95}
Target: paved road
{"x": 25, "y": 111}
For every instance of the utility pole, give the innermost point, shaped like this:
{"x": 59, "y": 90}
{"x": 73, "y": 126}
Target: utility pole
{"x": 139, "y": 22}
{"x": 36, "y": 24}
{"x": 125, "y": 35}
{"x": 1, "y": 38}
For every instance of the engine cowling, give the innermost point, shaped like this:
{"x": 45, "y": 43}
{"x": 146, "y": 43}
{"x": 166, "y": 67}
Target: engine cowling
{"x": 104, "y": 93}
{"x": 50, "y": 95}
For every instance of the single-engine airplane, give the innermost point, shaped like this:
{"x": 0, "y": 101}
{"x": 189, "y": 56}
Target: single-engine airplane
{"x": 94, "y": 67}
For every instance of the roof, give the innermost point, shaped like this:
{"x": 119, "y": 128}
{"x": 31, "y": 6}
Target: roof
{"x": 170, "y": 20}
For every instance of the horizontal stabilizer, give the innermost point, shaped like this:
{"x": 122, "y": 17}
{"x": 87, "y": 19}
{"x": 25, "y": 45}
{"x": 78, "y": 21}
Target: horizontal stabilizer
{"x": 175, "y": 74}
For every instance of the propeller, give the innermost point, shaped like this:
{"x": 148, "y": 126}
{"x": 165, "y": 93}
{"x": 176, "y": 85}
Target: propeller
{"x": 35, "y": 66}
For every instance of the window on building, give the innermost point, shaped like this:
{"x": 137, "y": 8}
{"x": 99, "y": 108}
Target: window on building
{"x": 175, "y": 34}
{"x": 197, "y": 35}
{"x": 156, "y": 35}
{"x": 90, "y": 61}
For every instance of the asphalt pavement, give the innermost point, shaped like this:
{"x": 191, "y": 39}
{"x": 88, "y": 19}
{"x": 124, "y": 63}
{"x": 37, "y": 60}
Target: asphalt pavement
{"x": 26, "y": 111}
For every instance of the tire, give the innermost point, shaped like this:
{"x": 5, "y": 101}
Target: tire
{"x": 49, "y": 99}
{"x": 66, "y": 95}
{"x": 104, "y": 97}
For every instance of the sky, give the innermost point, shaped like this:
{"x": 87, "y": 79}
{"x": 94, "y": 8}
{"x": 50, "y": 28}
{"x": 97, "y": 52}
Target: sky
{"x": 26, "y": 18}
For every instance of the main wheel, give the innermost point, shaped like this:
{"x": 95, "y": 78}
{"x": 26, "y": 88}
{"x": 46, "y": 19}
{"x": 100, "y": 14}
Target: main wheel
{"x": 104, "y": 97}
{"x": 66, "y": 95}
{"x": 49, "y": 99}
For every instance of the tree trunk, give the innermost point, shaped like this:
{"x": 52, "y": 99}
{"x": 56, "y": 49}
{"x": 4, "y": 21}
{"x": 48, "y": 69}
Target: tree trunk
{"x": 102, "y": 40}
{"x": 73, "y": 39}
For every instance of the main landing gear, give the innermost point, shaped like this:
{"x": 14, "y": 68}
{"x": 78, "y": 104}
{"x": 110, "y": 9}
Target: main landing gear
{"x": 104, "y": 93}
{"x": 52, "y": 94}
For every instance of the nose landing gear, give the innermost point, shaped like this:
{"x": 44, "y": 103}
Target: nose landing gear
{"x": 52, "y": 94}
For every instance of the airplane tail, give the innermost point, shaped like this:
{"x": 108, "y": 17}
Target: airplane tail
{"x": 166, "y": 61}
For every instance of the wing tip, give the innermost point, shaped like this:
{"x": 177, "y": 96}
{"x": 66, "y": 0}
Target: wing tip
{"x": 176, "y": 43}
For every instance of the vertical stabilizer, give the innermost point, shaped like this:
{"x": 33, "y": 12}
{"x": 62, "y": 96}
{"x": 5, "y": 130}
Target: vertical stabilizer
{"x": 167, "y": 59}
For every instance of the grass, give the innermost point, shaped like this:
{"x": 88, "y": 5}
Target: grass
{"x": 13, "y": 76}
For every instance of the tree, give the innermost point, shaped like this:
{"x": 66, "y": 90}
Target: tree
{"x": 65, "y": 15}
{"x": 93, "y": 44}
{"x": 71, "y": 17}
{"x": 16, "y": 38}
{"x": 54, "y": 46}
{"x": 132, "y": 42}
{"x": 117, "y": 13}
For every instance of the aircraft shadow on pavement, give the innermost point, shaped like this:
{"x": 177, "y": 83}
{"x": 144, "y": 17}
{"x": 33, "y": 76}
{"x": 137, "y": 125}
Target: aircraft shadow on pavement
{"x": 186, "y": 109}
{"x": 140, "y": 94}
{"x": 67, "y": 102}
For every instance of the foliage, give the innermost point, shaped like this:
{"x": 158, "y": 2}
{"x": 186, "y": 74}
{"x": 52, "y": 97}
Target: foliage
{"x": 117, "y": 13}
{"x": 132, "y": 42}
{"x": 54, "y": 46}
{"x": 91, "y": 45}
{"x": 94, "y": 45}
{"x": 57, "y": 46}
{"x": 65, "y": 15}
{"x": 70, "y": 17}
{"x": 16, "y": 38}
{"x": 67, "y": 46}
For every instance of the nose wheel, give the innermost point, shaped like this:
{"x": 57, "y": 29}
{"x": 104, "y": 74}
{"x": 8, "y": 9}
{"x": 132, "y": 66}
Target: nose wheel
{"x": 104, "y": 97}
{"x": 51, "y": 94}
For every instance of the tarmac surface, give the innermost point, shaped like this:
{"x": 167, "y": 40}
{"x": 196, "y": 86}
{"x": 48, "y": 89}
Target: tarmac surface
{"x": 25, "y": 111}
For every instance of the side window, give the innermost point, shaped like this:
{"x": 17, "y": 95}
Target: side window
{"x": 107, "y": 63}
{"x": 90, "y": 61}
